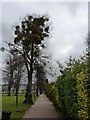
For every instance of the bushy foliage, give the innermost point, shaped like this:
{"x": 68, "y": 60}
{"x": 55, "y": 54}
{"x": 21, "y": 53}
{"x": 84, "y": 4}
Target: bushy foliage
{"x": 69, "y": 92}
{"x": 82, "y": 96}
{"x": 51, "y": 91}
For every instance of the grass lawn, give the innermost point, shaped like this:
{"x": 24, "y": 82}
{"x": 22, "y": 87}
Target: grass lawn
{"x": 8, "y": 104}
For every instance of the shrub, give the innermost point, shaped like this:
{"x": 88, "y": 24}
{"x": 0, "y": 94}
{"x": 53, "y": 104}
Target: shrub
{"x": 70, "y": 91}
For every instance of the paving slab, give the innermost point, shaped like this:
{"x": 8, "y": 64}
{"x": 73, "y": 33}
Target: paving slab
{"x": 43, "y": 108}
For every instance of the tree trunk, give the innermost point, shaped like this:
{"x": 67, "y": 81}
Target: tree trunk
{"x": 28, "y": 95}
{"x": 37, "y": 91}
{"x": 10, "y": 81}
{"x": 9, "y": 90}
{"x": 17, "y": 99}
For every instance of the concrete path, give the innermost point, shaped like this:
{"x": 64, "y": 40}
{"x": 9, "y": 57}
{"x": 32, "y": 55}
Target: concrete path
{"x": 43, "y": 108}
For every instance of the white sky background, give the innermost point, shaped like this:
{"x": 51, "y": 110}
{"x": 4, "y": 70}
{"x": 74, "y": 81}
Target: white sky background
{"x": 69, "y": 22}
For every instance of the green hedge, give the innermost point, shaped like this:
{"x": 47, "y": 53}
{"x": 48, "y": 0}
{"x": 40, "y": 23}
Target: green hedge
{"x": 70, "y": 93}
{"x": 51, "y": 91}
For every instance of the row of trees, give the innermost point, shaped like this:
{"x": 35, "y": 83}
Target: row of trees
{"x": 25, "y": 53}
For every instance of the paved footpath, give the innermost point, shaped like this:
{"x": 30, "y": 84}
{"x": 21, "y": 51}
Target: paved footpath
{"x": 43, "y": 108}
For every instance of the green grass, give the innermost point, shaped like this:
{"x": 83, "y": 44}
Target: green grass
{"x": 0, "y": 105}
{"x": 8, "y": 104}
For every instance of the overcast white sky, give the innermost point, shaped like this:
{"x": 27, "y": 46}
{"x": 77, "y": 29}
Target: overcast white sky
{"x": 69, "y": 21}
